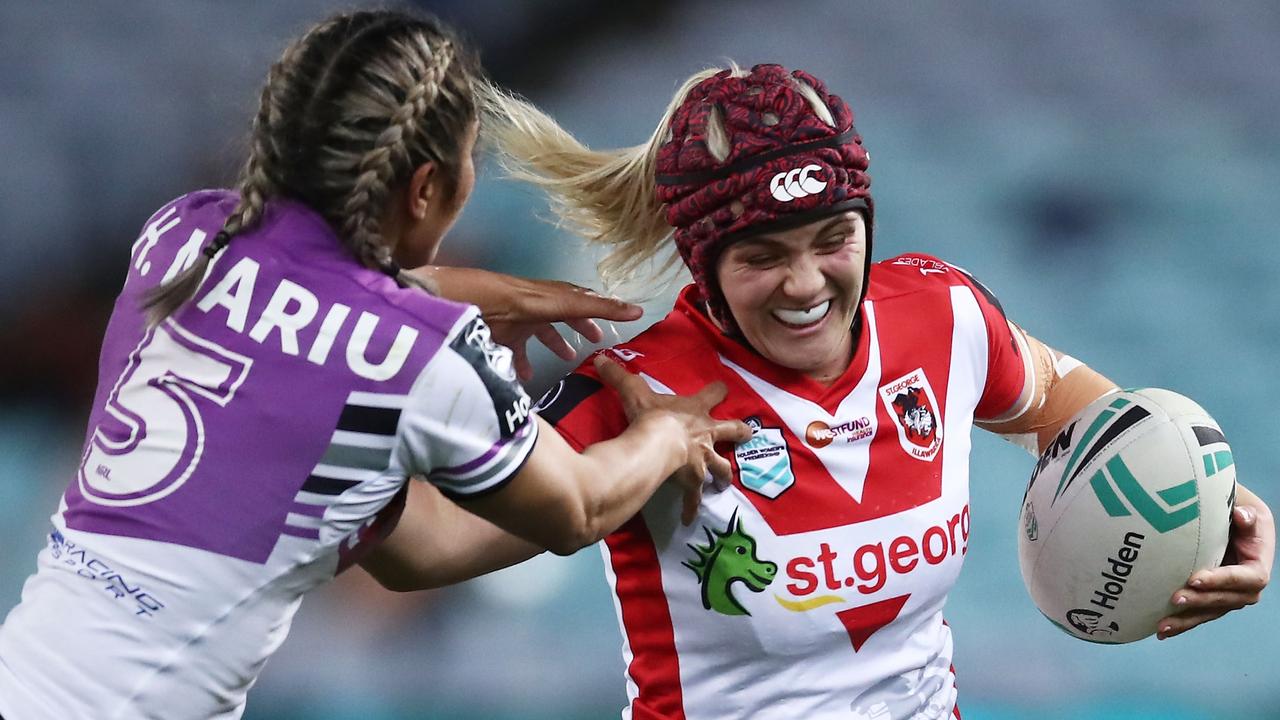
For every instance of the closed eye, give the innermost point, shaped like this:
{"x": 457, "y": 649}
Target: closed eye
{"x": 833, "y": 244}
{"x": 760, "y": 260}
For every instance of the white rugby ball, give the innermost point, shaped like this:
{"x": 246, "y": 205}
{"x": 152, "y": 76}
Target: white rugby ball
{"x": 1133, "y": 496}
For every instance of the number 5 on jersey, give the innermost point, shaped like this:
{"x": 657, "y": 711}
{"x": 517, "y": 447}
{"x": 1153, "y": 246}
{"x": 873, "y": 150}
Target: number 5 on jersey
{"x": 152, "y": 437}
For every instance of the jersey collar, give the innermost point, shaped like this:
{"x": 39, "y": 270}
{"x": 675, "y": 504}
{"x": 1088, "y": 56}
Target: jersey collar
{"x": 690, "y": 305}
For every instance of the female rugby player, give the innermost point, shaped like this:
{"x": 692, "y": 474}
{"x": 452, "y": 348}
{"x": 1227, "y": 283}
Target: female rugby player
{"x": 271, "y": 377}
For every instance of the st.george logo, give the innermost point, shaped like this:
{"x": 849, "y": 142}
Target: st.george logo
{"x": 911, "y": 401}
{"x": 789, "y": 185}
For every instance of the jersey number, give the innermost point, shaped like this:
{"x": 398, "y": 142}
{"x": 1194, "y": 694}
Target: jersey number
{"x": 153, "y": 436}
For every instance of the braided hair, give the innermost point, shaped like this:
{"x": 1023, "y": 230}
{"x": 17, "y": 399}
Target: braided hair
{"x": 346, "y": 115}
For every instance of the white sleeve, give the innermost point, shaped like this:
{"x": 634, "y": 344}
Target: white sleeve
{"x": 467, "y": 425}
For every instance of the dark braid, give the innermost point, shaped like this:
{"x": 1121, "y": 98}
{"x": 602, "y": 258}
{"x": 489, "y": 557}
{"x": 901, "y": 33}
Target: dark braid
{"x": 377, "y": 167}
{"x": 346, "y": 115}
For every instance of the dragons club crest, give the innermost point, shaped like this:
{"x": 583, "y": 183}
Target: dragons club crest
{"x": 911, "y": 402}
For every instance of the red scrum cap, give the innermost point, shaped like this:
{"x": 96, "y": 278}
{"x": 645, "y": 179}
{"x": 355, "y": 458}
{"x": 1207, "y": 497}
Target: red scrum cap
{"x": 786, "y": 166}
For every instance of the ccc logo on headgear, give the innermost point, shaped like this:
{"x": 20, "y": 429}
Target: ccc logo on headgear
{"x": 800, "y": 182}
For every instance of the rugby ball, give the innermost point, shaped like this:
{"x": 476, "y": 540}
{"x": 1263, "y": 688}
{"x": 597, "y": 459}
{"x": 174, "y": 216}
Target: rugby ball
{"x": 1133, "y": 495}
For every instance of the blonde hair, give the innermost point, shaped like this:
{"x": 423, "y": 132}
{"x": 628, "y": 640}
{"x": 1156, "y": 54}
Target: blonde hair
{"x": 609, "y": 197}
{"x": 346, "y": 115}
{"x": 606, "y": 196}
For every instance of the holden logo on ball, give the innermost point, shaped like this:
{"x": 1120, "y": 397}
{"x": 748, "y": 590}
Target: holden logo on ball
{"x": 789, "y": 185}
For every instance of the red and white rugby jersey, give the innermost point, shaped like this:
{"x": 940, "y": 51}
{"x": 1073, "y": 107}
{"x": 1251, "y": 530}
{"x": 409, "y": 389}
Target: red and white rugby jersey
{"x": 813, "y": 586}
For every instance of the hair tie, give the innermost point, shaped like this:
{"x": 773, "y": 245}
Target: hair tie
{"x": 391, "y": 267}
{"x": 219, "y": 241}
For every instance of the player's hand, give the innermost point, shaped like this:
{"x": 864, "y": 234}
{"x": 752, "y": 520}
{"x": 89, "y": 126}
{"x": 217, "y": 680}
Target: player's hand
{"x": 1239, "y": 581}
{"x": 516, "y": 309}
{"x": 701, "y": 463}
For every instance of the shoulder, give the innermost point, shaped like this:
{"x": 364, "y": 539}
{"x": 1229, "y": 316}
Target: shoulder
{"x": 907, "y": 273}
{"x": 304, "y": 248}
{"x": 674, "y": 346}
{"x": 670, "y": 354}
{"x": 413, "y": 306}
{"x": 196, "y": 207}
{"x": 917, "y": 273}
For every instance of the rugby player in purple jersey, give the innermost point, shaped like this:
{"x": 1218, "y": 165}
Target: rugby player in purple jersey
{"x": 272, "y": 376}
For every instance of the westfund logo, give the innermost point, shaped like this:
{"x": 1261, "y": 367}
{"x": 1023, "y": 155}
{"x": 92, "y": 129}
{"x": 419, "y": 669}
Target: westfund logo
{"x": 819, "y": 434}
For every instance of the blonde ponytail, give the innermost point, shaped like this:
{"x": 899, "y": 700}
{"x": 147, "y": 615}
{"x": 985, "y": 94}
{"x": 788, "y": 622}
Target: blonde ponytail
{"x": 606, "y": 196}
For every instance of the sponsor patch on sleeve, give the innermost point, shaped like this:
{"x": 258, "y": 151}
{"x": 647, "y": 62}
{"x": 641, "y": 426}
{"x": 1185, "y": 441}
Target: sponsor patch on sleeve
{"x": 495, "y": 367}
{"x": 564, "y": 396}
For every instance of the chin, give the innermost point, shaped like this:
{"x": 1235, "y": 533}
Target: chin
{"x": 805, "y": 359}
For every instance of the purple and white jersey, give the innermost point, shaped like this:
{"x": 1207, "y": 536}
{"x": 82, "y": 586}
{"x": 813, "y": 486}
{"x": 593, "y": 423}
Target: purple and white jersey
{"x": 241, "y": 453}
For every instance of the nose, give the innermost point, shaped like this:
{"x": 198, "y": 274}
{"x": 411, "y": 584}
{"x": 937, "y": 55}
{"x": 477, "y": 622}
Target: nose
{"x": 804, "y": 278}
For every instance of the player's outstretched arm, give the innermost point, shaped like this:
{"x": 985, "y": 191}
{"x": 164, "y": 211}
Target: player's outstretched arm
{"x": 564, "y": 500}
{"x": 436, "y": 543}
{"x": 517, "y": 308}
{"x": 1239, "y": 581}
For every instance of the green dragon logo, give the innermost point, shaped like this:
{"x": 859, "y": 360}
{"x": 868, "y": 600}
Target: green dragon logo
{"x": 729, "y": 557}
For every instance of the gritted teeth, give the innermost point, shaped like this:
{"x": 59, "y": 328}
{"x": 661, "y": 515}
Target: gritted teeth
{"x": 803, "y": 317}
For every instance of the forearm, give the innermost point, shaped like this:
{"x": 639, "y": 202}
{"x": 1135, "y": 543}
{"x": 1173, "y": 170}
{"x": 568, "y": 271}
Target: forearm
{"x": 563, "y": 500}
{"x": 437, "y": 543}
{"x": 492, "y": 292}
{"x": 636, "y": 462}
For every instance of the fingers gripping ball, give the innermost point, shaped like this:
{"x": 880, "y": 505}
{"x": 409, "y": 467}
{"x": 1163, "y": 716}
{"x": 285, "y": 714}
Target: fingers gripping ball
{"x": 1133, "y": 496}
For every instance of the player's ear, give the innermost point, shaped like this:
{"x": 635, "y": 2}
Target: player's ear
{"x": 425, "y": 187}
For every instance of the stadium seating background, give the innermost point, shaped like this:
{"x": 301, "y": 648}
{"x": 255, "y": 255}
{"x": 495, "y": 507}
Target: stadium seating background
{"x": 1110, "y": 169}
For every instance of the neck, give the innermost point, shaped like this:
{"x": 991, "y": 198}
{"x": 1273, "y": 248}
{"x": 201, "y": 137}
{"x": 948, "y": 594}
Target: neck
{"x": 828, "y": 375}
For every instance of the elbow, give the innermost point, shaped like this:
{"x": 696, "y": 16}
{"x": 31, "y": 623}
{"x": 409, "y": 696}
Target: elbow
{"x": 404, "y": 587}
{"x": 572, "y": 538}
{"x": 401, "y": 583}
{"x": 576, "y": 529}
{"x": 403, "y": 578}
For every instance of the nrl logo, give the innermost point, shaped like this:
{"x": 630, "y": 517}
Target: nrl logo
{"x": 729, "y": 557}
{"x": 764, "y": 462}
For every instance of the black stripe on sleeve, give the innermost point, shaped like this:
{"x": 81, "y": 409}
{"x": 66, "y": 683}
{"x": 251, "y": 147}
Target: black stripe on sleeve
{"x": 321, "y": 485}
{"x": 986, "y": 292}
{"x": 566, "y": 395}
{"x": 372, "y": 420}
{"x": 1206, "y": 435}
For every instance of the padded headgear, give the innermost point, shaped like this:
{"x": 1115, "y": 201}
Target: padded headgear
{"x": 786, "y": 167}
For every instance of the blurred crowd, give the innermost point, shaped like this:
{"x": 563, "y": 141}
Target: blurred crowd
{"x": 1109, "y": 169}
